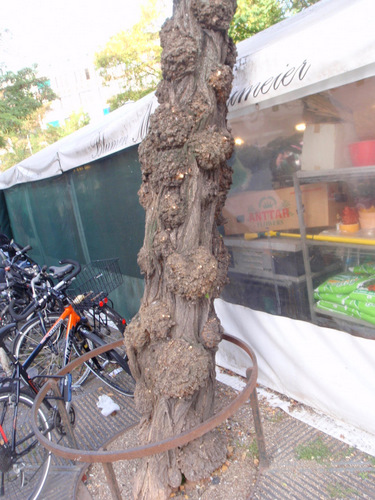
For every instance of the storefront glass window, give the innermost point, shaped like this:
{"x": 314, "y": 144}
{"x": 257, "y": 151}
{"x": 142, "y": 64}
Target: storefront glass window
{"x": 319, "y": 140}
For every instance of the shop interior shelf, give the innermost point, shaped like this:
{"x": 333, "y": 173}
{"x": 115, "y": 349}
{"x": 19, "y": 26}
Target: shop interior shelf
{"x": 310, "y": 176}
{"x": 353, "y": 326}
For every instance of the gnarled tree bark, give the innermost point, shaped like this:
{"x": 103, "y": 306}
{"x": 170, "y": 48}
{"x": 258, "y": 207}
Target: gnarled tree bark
{"x": 172, "y": 340}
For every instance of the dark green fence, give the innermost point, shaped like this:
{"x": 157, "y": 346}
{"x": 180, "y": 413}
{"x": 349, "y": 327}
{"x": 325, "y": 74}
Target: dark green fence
{"x": 89, "y": 213}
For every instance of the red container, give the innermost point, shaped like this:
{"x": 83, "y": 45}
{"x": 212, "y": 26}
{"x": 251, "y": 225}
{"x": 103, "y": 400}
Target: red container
{"x": 362, "y": 153}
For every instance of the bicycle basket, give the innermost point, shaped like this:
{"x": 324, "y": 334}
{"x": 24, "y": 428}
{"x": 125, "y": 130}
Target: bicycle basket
{"x": 95, "y": 281}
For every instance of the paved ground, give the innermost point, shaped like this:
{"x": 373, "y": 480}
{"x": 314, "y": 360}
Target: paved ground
{"x": 92, "y": 431}
{"x": 305, "y": 464}
{"x": 308, "y": 464}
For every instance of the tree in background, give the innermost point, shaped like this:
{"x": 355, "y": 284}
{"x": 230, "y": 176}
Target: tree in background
{"x": 24, "y": 100}
{"x": 133, "y": 56}
{"x": 76, "y": 120}
{"x": 295, "y": 6}
{"x": 21, "y": 95}
{"x": 253, "y": 16}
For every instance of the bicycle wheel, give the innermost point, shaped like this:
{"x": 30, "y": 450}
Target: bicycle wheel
{"x": 110, "y": 367}
{"x": 24, "y": 470}
{"x": 51, "y": 358}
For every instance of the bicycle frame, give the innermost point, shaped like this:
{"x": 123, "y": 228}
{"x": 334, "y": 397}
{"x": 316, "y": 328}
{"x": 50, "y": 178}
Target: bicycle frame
{"x": 20, "y": 373}
{"x": 73, "y": 320}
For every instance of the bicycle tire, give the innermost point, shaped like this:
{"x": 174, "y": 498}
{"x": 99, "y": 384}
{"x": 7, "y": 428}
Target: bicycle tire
{"x": 111, "y": 367}
{"x": 27, "y": 471}
{"x": 51, "y": 358}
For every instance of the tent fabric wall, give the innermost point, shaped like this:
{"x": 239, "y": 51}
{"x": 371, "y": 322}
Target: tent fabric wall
{"x": 42, "y": 216}
{"x": 5, "y": 227}
{"x": 89, "y": 213}
{"x": 328, "y": 370}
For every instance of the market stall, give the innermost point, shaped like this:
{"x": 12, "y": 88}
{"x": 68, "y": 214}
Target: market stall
{"x": 300, "y": 214}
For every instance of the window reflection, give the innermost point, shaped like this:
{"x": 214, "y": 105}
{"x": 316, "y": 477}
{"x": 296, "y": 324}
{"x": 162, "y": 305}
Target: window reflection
{"x": 317, "y": 133}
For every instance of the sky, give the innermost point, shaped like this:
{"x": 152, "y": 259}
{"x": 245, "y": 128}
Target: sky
{"x": 45, "y": 31}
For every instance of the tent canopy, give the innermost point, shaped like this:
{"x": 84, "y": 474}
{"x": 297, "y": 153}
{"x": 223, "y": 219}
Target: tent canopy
{"x": 330, "y": 43}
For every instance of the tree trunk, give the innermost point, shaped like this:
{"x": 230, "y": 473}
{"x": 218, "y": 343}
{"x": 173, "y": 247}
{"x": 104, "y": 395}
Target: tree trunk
{"x": 173, "y": 339}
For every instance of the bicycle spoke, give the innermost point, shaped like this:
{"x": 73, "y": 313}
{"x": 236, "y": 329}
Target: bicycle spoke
{"x": 111, "y": 367}
{"x": 51, "y": 358}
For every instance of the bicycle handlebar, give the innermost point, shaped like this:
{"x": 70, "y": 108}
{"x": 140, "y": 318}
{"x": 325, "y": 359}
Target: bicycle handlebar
{"x": 25, "y": 313}
{"x": 36, "y": 279}
{"x": 19, "y": 253}
{"x": 47, "y": 292}
{"x": 23, "y": 250}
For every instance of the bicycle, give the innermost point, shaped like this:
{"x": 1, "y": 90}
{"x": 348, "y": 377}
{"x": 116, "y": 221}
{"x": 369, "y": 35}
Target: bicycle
{"x": 60, "y": 337}
{"x": 17, "y": 270}
{"x": 24, "y": 463}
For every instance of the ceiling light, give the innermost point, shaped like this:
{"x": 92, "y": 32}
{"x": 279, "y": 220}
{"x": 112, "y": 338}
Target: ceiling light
{"x": 300, "y": 127}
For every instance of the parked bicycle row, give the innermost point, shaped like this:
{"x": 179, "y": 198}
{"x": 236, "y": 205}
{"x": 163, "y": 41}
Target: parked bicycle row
{"x": 49, "y": 317}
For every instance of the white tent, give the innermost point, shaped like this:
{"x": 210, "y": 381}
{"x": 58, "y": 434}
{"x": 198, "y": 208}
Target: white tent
{"x": 331, "y": 43}
{"x": 121, "y": 129}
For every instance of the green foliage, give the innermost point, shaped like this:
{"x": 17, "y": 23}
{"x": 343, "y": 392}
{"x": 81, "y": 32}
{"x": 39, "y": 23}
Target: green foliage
{"x": 128, "y": 95}
{"x": 253, "y": 449}
{"x": 341, "y": 491}
{"x": 133, "y": 56}
{"x": 33, "y": 137}
{"x": 295, "y": 6}
{"x": 23, "y": 99}
{"x": 76, "y": 121}
{"x": 253, "y": 16}
{"x": 21, "y": 94}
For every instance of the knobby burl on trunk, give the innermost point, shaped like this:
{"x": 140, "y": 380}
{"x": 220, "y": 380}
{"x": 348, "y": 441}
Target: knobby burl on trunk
{"x": 173, "y": 339}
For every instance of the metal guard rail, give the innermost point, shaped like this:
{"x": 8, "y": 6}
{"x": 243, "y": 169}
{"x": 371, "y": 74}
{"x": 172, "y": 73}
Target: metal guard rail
{"x": 107, "y": 457}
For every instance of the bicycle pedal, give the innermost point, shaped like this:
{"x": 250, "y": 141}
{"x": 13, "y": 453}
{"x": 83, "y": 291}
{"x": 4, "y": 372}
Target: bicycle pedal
{"x": 58, "y": 422}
